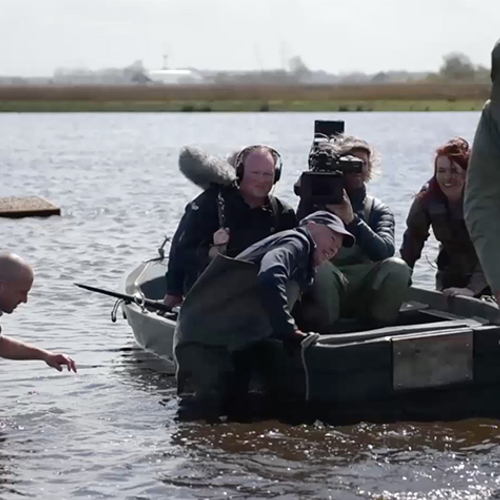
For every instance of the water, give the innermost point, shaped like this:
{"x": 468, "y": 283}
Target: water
{"x": 111, "y": 431}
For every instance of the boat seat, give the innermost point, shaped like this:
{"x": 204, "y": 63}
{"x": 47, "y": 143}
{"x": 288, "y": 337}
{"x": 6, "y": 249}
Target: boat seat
{"x": 412, "y": 306}
{"x": 350, "y": 325}
{"x": 446, "y": 315}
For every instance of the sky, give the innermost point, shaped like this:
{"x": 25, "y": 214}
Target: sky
{"x": 38, "y": 36}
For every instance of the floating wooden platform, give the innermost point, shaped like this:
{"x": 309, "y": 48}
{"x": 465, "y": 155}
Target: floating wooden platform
{"x": 29, "y": 206}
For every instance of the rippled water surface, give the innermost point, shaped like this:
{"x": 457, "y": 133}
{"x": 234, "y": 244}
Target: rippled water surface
{"x": 111, "y": 430}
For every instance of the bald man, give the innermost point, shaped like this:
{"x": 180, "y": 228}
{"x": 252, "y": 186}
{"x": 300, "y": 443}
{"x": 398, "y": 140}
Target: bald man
{"x": 16, "y": 279}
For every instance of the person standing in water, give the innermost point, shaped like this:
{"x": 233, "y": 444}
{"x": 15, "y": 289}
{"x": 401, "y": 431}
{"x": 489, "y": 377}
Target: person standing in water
{"x": 439, "y": 205}
{"x": 482, "y": 191}
{"x": 16, "y": 280}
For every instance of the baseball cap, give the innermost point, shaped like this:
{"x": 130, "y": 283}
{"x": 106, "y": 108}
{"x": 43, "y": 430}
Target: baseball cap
{"x": 332, "y": 221}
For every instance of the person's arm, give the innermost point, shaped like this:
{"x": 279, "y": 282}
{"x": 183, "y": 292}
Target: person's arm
{"x": 175, "y": 272}
{"x": 417, "y": 232}
{"x": 478, "y": 281}
{"x": 276, "y": 269}
{"x": 288, "y": 218}
{"x": 476, "y": 285}
{"x": 195, "y": 228}
{"x": 16, "y": 349}
{"x": 482, "y": 194}
{"x": 377, "y": 242}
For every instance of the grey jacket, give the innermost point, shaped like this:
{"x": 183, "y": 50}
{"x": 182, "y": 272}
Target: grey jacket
{"x": 482, "y": 192}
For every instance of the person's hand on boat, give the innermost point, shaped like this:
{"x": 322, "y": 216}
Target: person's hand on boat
{"x": 172, "y": 300}
{"x": 291, "y": 343}
{"x": 343, "y": 210}
{"x": 453, "y": 291}
{"x": 57, "y": 361}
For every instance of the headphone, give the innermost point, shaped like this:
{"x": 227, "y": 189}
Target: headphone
{"x": 243, "y": 154}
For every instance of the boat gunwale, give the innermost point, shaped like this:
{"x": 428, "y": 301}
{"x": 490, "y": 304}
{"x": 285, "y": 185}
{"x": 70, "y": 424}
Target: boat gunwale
{"x": 487, "y": 314}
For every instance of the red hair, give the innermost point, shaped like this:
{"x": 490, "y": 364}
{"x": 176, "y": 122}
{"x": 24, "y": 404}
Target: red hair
{"x": 458, "y": 151}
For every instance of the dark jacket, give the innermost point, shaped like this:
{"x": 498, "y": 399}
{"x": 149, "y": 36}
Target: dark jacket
{"x": 373, "y": 228}
{"x": 281, "y": 258}
{"x": 458, "y": 265}
{"x": 194, "y": 236}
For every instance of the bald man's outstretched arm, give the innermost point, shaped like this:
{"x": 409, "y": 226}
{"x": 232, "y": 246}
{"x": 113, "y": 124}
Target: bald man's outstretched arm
{"x": 16, "y": 349}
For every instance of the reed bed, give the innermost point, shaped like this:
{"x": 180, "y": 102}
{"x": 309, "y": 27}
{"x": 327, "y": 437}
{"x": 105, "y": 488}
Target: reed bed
{"x": 143, "y": 93}
{"x": 421, "y": 96}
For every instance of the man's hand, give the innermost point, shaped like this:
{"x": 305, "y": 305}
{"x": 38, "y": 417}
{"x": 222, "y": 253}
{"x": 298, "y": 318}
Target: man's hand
{"x": 172, "y": 300}
{"x": 453, "y": 291}
{"x": 57, "y": 361}
{"x": 221, "y": 236}
{"x": 343, "y": 210}
{"x": 16, "y": 349}
{"x": 221, "y": 239}
{"x": 291, "y": 343}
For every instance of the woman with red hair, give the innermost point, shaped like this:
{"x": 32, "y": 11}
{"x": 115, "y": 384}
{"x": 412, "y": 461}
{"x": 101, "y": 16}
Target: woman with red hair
{"x": 439, "y": 205}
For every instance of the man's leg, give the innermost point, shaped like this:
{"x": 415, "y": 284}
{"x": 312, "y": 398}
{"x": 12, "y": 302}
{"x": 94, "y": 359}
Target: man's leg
{"x": 378, "y": 294}
{"x": 320, "y": 307}
{"x": 205, "y": 372}
{"x": 246, "y": 360}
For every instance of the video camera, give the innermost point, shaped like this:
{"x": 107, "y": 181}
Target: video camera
{"x": 323, "y": 183}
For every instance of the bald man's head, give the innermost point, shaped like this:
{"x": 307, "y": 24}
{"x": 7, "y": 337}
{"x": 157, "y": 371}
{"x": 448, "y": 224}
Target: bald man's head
{"x": 16, "y": 280}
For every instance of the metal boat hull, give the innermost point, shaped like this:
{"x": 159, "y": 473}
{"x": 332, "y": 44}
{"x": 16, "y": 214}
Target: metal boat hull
{"x": 440, "y": 344}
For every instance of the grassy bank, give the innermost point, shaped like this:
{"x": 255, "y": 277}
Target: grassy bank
{"x": 236, "y": 106}
{"x": 387, "y": 97}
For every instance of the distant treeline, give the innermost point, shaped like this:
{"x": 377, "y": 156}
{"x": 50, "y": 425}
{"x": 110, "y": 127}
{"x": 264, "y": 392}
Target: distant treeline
{"x": 455, "y": 68}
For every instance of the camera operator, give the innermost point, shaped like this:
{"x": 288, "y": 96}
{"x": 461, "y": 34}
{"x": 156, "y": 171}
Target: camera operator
{"x": 365, "y": 282}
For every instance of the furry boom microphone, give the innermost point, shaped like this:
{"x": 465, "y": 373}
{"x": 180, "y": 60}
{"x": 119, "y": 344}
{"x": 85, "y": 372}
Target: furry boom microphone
{"x": 203, "y": 169}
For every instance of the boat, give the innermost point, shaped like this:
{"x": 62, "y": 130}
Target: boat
{"x": 441, "y": 348}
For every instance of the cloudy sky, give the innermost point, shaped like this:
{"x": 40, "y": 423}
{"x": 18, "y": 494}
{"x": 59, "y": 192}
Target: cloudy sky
{"x": 38, "y": 36}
